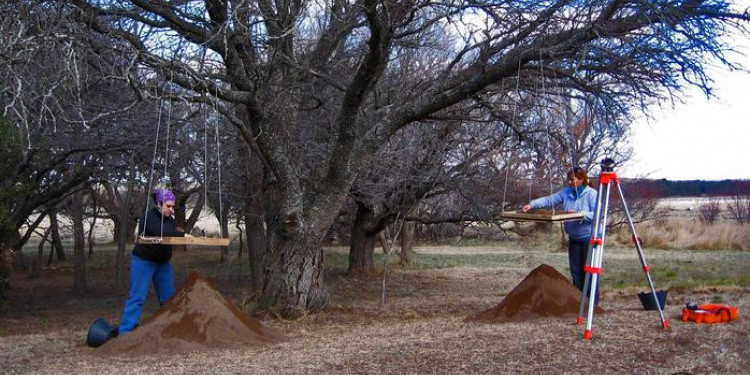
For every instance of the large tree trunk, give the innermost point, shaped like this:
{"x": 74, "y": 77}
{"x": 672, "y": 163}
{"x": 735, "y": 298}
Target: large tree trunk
{"x": 94, "y": 216}
{"x": 407, "y": 242}
{"x": 362, "y": 242}
{"x": 7, "y": 240}
{"x": 223, "y": 217}
{"x": 56, "y": 240}
{"x": 79, "y": 245}
{"x": 125, "y": 226}
{"x": 125, "y": 231}
{"x": 361, "y": 250}
{"x": 180, "y": 208}
{"x": 256, "y": 247}
{"x": 293, "y": 273}
{"x": 40, "y": 249}
{"x": 253, "y": 174}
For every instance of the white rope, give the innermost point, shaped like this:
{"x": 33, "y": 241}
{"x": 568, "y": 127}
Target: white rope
{"x": 515, "y": 109}
{"x": 218, "y": 160}
{"x": 205, "y": 157}
{"x": 153, "y": 165}
{"x": 166, "y": 144}
{"x": 544, "y": 118}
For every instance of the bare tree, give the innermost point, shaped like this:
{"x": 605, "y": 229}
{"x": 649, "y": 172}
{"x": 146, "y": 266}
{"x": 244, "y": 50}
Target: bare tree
{"x": 79, "y": 249}
{"x": 52, "y": 90}
{"x": 306, "y": 80}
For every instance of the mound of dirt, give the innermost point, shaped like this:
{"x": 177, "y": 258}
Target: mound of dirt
{"x": 196, "y": 318}
{"x": 543, "y": 293}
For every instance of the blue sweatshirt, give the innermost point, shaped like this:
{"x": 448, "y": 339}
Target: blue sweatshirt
{"x": 571, "y": 200}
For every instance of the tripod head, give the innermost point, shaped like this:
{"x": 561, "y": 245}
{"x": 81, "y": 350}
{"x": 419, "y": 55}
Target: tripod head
{"x": 608, "y": 165}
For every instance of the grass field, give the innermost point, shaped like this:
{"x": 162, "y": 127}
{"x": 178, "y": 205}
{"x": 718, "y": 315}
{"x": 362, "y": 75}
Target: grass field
{"x": 420, "y": 329}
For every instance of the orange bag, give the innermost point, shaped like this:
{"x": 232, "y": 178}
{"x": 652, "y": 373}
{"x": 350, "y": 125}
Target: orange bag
{"x": 709, "y": 314}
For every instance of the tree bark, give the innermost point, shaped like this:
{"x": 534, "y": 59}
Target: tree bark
{"x": 56, "y": 240}
{"x": 125, "y": 231}
{"x": 195, "y": 214}
{"x": 94, "y": 216}
{"x": 7, "y": 241}
{"x": 254, "y": 176}
{"x": 40, "y": 249}
{"x": 79, "y": 244}
{"x": 256, "y": 248}
{"x": 224, "y": 228}
{"x": 361, "y": 250}
{"x": 362, "y": 241}
{"x": 407, "y": 242}
{"x": 293, "y": 273}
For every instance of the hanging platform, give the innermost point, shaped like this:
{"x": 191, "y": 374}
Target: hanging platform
{"x": 189, "y": 241}
{"x": 542, "y": 215}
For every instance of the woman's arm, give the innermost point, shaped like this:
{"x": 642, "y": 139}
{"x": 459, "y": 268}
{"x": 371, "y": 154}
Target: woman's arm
{"x": 548, "y": 201}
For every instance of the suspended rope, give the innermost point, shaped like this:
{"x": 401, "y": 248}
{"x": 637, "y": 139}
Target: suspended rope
{"x": 513, "y": 119}
{"x": 540, "y": 216}
{"x": 205, "y": 156}
{"x": 205, "y": 134}
{"x": 153, "y": 163}
{"x": 182, "y": 240}
{"x": 571, "y": 139}
{"x": 544, "y": 118}
{"x": 218, "y": 161}
{"x": 166, "y": 144}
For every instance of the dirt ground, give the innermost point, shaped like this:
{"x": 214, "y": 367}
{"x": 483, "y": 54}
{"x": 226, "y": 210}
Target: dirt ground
{"x": 420, "y": 330}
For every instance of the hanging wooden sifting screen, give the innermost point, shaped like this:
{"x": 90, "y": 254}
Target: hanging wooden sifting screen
{"x": 195, "y": 241}
{"x": 542, "y": 215}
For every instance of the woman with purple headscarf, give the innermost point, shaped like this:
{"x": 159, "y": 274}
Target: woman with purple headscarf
{"x": 151, "y": 262}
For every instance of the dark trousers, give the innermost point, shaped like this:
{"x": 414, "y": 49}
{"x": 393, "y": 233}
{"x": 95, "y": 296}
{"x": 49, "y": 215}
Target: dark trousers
{"x": 577, "y": 257}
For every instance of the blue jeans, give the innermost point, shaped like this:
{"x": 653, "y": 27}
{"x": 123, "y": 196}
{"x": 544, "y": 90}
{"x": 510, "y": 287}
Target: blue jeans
{"x": 142, "y": 273}
{"x": 577, "y": 257}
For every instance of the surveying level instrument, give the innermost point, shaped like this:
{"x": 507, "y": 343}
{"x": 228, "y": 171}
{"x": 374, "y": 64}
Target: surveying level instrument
{"x": 595, "y": 256}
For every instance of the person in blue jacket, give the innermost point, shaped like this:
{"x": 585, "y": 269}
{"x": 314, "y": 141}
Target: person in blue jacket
{"x": 150, "y": 263}
{"x": 577, "y": 197}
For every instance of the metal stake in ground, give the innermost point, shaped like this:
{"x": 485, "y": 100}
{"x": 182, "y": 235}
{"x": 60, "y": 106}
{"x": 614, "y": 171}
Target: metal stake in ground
{"x": 595, "y": 258}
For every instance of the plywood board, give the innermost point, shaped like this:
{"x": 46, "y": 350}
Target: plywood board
{"x": 190, "y": 241}
{"x": 542, "y": 215}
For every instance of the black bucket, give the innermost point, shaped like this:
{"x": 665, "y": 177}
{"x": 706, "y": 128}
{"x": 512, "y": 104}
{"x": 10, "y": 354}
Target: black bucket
{"x": 99, "y": 333}
{"x": 647, "y": 299}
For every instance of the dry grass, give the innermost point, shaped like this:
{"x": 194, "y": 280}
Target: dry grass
{"x": 421, "y": 329}
{"x": 679, "y": 234}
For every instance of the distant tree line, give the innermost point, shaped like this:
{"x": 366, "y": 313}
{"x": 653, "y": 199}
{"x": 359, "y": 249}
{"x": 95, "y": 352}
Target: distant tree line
{"x": 663, "y": 188}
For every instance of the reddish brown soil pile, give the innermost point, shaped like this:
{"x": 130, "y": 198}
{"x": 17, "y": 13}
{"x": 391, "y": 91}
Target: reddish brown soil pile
{"x": 197, "y": 317}
{"x": 543, "y": 293}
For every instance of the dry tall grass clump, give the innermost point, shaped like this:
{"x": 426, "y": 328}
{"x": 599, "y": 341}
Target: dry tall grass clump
{"x": 690, "y": 235}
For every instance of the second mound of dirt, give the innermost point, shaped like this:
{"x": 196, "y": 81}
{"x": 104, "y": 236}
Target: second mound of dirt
{"x": 543, "y": 293}
{"x": 197, "y": 317}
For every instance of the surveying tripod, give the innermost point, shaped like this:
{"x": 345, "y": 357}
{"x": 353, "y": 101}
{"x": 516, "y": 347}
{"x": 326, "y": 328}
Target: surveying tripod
{"x": 595, "y": 255}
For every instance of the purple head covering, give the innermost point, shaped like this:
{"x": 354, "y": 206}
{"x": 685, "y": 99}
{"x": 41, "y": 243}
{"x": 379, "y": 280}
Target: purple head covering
{"x": 163, "y": 195}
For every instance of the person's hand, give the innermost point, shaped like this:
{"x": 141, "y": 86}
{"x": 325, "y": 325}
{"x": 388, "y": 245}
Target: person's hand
{"x": 526, "y": 208}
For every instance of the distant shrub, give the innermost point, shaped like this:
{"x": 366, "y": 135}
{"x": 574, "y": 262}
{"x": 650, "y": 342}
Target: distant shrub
{"x": 739, "y": 208}
{"x": 709, "y": 211}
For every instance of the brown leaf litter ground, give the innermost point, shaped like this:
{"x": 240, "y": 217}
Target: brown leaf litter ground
{"x": 421, "y": 330}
